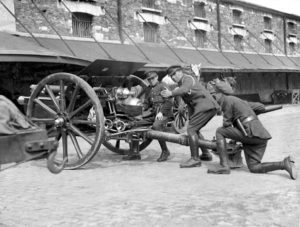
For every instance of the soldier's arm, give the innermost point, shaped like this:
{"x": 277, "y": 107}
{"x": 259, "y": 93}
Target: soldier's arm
{"x": 186, "y": 86}
{"x": 168, "y": 102}
{"x": 227, "y": 115}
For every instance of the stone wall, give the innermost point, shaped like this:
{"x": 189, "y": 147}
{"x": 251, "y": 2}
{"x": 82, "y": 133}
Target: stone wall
{"x": 105, "y": 27}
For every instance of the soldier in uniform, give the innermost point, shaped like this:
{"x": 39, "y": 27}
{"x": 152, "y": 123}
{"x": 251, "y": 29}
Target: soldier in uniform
{"x": 240, "y": 123}
{"x": 160, "y": 112}
{"x": 201, "y": 106}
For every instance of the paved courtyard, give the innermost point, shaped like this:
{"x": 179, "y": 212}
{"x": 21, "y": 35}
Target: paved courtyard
{"x": 111, "y": 192}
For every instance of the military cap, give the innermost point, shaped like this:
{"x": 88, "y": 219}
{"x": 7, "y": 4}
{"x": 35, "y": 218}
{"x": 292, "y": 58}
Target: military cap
{"x": 151, "y": 74}
{"x": 219, "y": 86}
{"x": 173, "y": 69}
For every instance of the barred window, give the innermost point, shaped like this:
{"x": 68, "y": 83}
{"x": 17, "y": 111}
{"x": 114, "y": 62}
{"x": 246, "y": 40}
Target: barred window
{"x": 82, "y": 24}
{"x": 200, "y": 36}
{"x": 268, "y": 46}
{"x": 268, "y": 23}
{"x": 238, "y": 42}
{"x": 292, "y": 27}
{"x": 237, "y": 16}
{"x": 199, "y": 9}
{"x": 151, "y": 32}
{"x": 292, "y": 47}
{"x": 148, "y": 3}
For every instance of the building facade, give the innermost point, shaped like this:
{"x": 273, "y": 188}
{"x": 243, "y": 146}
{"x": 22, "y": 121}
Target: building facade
{"x": 211, "y": 24}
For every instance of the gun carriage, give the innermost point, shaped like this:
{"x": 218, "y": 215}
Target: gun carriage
{"x": 103, "y": 104}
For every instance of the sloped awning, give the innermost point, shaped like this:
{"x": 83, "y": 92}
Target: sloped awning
{"x": 163, "y": 56}
{"x": 14, "y": 48}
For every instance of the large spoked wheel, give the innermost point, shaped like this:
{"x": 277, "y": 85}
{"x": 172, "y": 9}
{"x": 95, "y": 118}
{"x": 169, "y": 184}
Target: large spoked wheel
{"x": 120, "y": 146}
{"x": 181, "y": 117}
{"x": 61, "y": 102}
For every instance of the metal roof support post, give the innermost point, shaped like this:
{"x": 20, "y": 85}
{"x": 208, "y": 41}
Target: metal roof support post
{"x": 21, "y": 24}
{"x": 284, "y": 34}
{"x": 102, "y": 48}
{"x": 219, "y": 25}
{"x": 162, "y": 39}
{"x": 134, "y": 43}
{"x": 39, "y": 10}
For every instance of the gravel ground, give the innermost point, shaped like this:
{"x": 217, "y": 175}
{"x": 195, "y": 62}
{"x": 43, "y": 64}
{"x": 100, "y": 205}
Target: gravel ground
{"x": 112, "y": 192}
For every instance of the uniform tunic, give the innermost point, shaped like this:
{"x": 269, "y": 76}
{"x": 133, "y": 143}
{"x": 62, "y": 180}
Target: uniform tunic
{"x": 201, "y": 105}
{"x": 255, "y": 142}
{"x": 156, "y": 103}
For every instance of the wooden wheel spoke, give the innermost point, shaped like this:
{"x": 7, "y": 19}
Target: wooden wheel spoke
{"x": 85, "y": 122}
{"x": 49, "y": 91}
{"x": 118, "y": 144}
{"x": 44, "y": 106}
{"x": 76, "y": 145}
{"x": 84, "y": 106}
{"x": 43, "y": 120}
{"x": 73, "y": 99}
{"x": 81, "y": 134}
{"x": 62, "y": 95}
{"x": 64, "y": 137}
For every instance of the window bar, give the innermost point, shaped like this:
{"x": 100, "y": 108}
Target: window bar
{"x": 101, "y": 46}
{"x": 69, "y": 48}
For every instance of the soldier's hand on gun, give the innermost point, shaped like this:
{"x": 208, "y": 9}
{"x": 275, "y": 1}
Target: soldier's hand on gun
{"x": 159, "y": 116}
{"x": 166, "y": 93}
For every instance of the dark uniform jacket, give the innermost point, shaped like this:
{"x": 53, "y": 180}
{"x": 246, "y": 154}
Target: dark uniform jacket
{"x": 197, "y": 98}
{"x": 154, "y": 100}
{"x": 234, "y": 108}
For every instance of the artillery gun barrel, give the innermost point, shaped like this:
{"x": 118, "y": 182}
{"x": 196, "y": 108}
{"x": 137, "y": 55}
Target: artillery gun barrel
{"x": 272, "y": 108}
{"x": 178, "y": 138}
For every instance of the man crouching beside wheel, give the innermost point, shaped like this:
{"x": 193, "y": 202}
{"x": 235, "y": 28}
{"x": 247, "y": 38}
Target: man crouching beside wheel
{"x": 160, "y": 112}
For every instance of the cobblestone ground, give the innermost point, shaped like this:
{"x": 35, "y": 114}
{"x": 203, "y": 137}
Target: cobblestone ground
{"x": 111, "y": 192}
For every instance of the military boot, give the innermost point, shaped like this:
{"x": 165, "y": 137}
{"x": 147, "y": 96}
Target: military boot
{"x": 194, "y": 161}
{"x": 287, "y": 164}
{"x": 133, "y": 151}
{"x": 224, "y": 167}
{"x": 165, "y": 153}
{"x": 205, "y": 156}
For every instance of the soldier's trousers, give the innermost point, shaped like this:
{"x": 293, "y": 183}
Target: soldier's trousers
{"x": 198, "y": 120}
{"x": 254, "y": 148}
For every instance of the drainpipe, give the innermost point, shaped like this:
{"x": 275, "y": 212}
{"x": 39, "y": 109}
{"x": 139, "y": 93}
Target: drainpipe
{"x": 284, "y": 35}
{"x": 219, "y": 25}
{"x": 120, "y": 20}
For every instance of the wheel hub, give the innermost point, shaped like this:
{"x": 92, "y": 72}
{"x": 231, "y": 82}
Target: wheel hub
{"x": 60, "y": 121}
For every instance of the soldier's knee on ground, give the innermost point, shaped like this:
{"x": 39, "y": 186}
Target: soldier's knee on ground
{"x": 255, "y": 168}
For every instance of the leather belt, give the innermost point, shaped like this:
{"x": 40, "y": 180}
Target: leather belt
{"x": 248, "y": 119}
